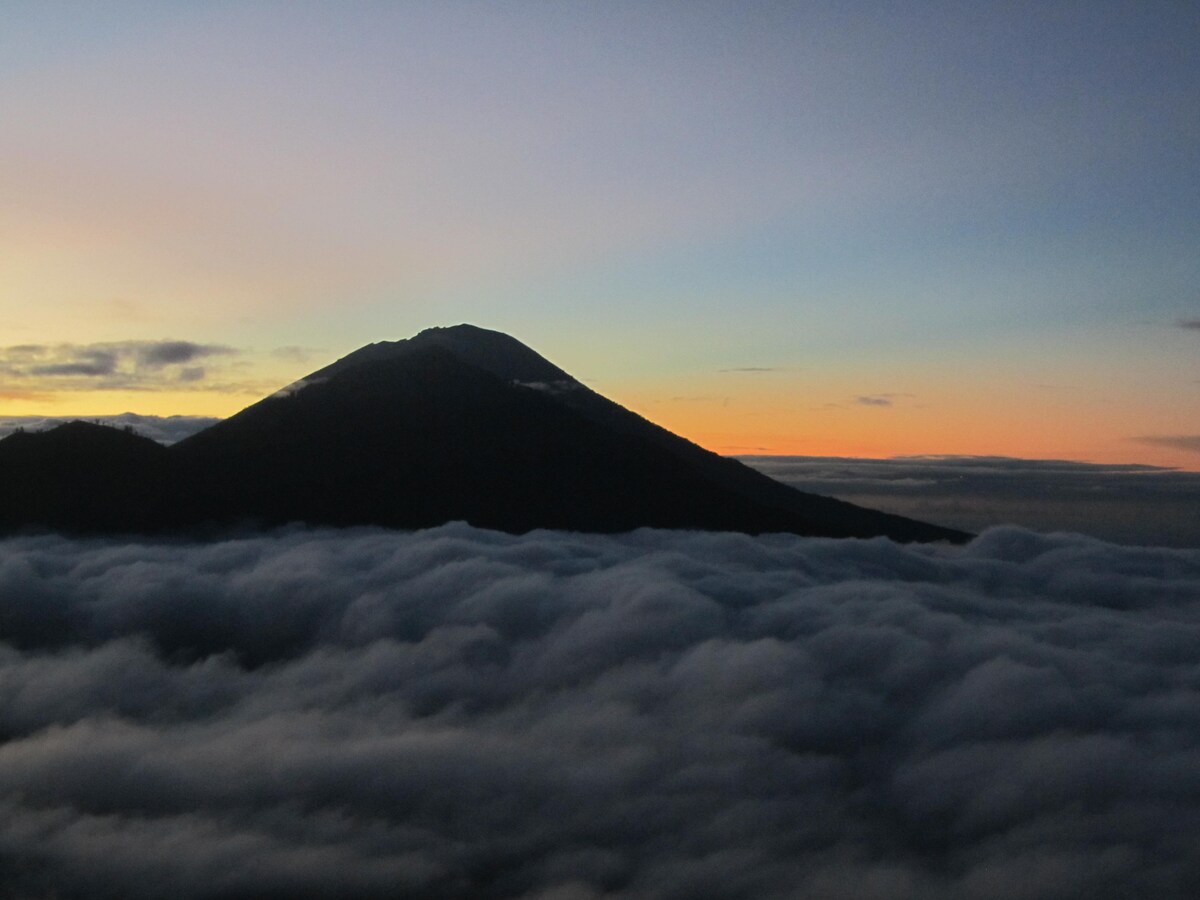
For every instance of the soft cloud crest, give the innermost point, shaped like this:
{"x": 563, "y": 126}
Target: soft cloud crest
{"x": 458, "y": 712}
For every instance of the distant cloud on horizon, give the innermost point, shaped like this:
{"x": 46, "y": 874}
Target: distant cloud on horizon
{"x": 873, "y": 400}
{"x": 1174, "y": 441}
{"x": 1193, "y": 324}
{"x": 1128, "y": 503}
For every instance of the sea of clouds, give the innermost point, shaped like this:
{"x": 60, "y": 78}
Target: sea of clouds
{"x": 462, "y": 713}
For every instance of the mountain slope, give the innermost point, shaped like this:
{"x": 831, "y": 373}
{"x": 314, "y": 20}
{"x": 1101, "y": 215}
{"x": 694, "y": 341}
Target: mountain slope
{"x": 453, "y": 424}
{"x": 465, "y": 423}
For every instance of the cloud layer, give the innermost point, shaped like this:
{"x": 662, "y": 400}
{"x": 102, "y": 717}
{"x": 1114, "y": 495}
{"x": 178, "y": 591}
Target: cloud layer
{"x": 462, "y": 713}
{"x": 1132, "y": 504}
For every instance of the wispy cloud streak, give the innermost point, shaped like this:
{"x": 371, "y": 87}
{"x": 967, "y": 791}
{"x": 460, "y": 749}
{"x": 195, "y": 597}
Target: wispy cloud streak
{"x": 1174, "y": 441}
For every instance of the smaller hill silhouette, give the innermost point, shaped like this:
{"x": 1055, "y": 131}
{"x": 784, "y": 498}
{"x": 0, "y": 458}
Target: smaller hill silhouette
{"x": 81, "y": 477}
{"x": 455, "y": 423}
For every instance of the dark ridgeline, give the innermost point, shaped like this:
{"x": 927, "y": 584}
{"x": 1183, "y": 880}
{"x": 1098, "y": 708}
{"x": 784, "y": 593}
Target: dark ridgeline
{"x": 454, "y": 424}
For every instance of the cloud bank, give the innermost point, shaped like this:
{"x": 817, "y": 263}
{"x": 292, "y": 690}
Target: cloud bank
{"x": 1132, "y": 504}
{"x": 459, "y": 713}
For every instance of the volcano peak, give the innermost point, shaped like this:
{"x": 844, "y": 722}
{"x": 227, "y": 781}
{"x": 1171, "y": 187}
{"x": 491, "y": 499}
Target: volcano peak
{"x": 456, "y": 423}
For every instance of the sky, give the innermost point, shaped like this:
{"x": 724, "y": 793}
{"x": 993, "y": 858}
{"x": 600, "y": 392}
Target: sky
{"x": 821, "y": 228}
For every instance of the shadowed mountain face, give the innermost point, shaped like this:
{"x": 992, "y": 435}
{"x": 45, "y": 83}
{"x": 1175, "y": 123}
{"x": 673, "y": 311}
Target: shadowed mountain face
{"x": 454, "y": 424}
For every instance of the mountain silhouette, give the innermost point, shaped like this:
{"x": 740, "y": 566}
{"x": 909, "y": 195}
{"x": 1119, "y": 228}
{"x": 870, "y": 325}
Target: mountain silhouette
{"x": 455, "y": 423}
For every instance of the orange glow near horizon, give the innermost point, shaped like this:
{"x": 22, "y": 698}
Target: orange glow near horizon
{"x": 1045, "y": 426}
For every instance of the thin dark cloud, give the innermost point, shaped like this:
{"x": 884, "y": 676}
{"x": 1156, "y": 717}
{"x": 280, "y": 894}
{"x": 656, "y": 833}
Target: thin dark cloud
{"x": 460, "y": 713}
{"x": 1193, "y": 324}
{"x": 1174, "y": 441}
{"x": 881, "y": 400}
{"x": 1133, "y": 504}
{"x": 753, "y": 369}
{"x": 88, "y": 362}
{"x": 165, "y": 353}
{"x": 296, "y": 354}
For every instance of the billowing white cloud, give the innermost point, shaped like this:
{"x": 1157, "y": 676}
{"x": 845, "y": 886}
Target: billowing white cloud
{"x": 458, "y": 712}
